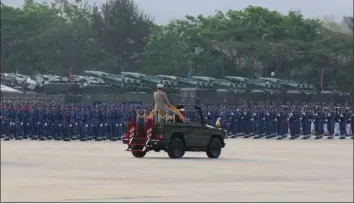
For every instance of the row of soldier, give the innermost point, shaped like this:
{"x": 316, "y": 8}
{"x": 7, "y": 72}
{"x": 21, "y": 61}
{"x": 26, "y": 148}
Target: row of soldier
{"x": 282, "y": 121}
{"x": 73, "y": 121}
{"x": 76, "y": 121}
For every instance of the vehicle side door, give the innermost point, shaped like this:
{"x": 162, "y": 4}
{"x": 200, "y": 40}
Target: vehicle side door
{"x": 196, "y": 128}
{"x": 197, "y": 135}
{"x": 189, "y": 131}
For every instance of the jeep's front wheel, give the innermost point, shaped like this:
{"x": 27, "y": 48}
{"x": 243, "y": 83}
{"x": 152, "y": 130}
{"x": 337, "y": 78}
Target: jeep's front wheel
{"x": 214, "y": 148}
{"x": 176, "y": 148}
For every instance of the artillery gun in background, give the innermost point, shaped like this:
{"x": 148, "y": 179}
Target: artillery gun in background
{"x": 119, "y": 82}
{"x": 138, "y": 86}
{"x": 151, "y": 81}
{"x": 19, "y": 81}
{"x": 53, "y": 84}
{"x": 223, "y": 83}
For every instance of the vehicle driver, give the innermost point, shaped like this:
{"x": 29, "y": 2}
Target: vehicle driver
{"x": 161, "y": 100}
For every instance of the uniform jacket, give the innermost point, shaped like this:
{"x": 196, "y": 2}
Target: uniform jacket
{"x": 160, "y": 98}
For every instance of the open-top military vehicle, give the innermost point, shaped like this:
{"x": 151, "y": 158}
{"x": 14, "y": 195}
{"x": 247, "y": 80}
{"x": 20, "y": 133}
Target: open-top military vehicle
{"x": 173, "y": 133}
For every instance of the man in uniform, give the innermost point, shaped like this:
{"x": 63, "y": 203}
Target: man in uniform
{"x": 160, "y": 99}
{"x": 352, "y": 124}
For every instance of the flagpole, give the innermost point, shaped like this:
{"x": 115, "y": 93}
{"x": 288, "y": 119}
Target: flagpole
{"x": 321, "y": 79}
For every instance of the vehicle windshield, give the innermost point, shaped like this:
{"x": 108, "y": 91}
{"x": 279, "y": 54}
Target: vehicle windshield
{"x": 192, "y": 115}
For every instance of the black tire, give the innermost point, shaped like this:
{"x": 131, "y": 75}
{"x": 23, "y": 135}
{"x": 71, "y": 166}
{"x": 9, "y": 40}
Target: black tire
{"x": 214, "y": 148}
{"x": 176, "y": 148}
{"x": 138, "y": 154}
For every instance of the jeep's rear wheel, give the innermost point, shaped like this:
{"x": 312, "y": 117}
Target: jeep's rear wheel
{"x": 138, "y": 154}
{"x": 176, "y": 148}
{"x": 214, "y": 148}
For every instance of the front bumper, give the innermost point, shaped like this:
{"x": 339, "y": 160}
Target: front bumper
{"x": 152, "y": 143}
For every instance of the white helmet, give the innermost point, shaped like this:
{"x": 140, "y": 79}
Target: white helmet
{"x": 159, "y": 86}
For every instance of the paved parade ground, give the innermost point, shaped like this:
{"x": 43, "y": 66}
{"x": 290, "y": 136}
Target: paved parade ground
{"x": 248, "y": 170}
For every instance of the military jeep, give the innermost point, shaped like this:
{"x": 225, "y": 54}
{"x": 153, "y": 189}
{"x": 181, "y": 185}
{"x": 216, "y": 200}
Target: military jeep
{"x": 174, "y": 134}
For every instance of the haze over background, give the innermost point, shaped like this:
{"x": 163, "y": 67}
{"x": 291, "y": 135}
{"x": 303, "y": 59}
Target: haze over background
{"x": 165, "y": 10}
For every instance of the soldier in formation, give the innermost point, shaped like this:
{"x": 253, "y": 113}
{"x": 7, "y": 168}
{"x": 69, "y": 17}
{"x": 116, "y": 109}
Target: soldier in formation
{"x": 46, "y": 121}
{"x": 62, "y": 122}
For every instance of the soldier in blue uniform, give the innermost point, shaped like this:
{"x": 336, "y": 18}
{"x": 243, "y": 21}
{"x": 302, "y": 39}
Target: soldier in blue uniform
{"x": 84, "y": 124}
{"x": 337, "y": 120}
{"x": 254, "y": 124}
{"x": 66, "y": 128}
{"x": 233, "y": 124}
{"x": 50, "y": 128}
{"x": 246, "y": 118}
{"x": 269, "y": 124}
{"x": 11, "y": 122}
{"x": 104, "y": 121}
{"x": 19, "y": 134}
{"x": 292, "y": 121}
{"x": 27, "y": 121}
{"x": 42, "y": 118}
{"x": 277, "y": 122}
{"x": 352, "y": 123}
{"x": 274, "y": 123}
{"x": 59, "y": 120}
{"x": 91, "y": 126}
{"x": 55, "y": 115}
{"x": 113, "y": 123}
{"x": 103, "y": 130}
{"x": 261, "y": 123}
{"x": 283, "y": 123}
{"x": 306, "y": 123}
{"x": 73, "y": 125}
{"x": 343, "y": 124}
{"x": 45, "y": 126}
{"x": 238, "y": 121}
{"x": 318, "y": 125}
{"x": 242, "y": 123}
{"x": 330, "y": 123}
{"x": 296, "y": 124}
{"x": 122, "y": 118}
{"x": 95, "y": 120}
{"x": 34, "y": 122}
{"x": 5, "y": 122}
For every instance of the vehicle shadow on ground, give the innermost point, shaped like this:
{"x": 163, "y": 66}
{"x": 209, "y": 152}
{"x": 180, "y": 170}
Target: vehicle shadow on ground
{"x": 209, "y": 159}
{"x": 183, "y": 158}
{"x": 17, "y": 164}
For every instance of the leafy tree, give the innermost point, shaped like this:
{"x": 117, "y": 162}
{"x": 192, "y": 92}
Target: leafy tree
{"x": 253, "y": 42}
{"x": 62, "y": 36}
{"x": 121, "y": 27}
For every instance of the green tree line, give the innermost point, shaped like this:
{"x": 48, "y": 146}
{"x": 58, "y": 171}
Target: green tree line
{"x": 118, "y": 36}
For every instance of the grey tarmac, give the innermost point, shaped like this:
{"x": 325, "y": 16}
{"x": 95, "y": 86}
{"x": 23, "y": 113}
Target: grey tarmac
{"x": 247, "y": 171}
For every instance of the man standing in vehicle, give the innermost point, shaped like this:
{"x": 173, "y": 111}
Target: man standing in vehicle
{"x": 161, "y": 100}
